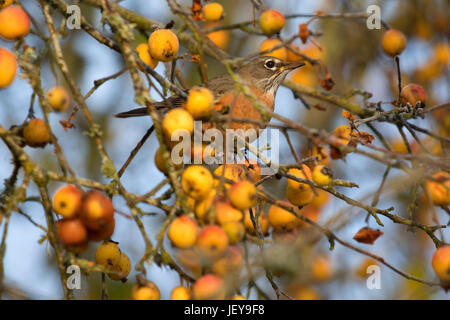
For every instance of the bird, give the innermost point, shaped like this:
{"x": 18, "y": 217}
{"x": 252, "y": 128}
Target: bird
{"x": 262, "y": 75}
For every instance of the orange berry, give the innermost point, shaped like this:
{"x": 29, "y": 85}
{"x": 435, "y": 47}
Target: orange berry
{"x": 271, "y": 22}
{"x": 439, "y": 191}
{"x": 175, "y": 119}
{"x": 67, "y": 201}
{"x": 14, "y": 23}
{"x": 268, "y": 44}
{"x": 163, "y": 45}
{"x": 213, "y": 11}
{"x": 441, "y": 263}
{"x": 36, "y": 134}
{"x": 305, "y": 77}
{"x": 143, "y": 51}
{"x": 212, "y": 241}
{"x": 291, "y": 55}
{"x": 97, "y": 210}
{"x": 413, "y": 94}
{"x": 320, "y": 199}
{"x": 8, "y": 67}
{"x": 242, "y": 195}
{"x": 393, "y": 42}
{"x": 263, "y": 223}
{"x": 281, "y": 219}
{"x": 58, "y": 98}
{"x": 200, "y": 102}
{"x": 104, "y": 233}
{"x": 321, "y": 269}
{"x": 5, "y": 3}
{"x": 180, "y": 293}
{"x": 71, "y": 231}
{"x": 183, "y": 231}
{"x": 220, "y": 38}
{"x": 224, "y": 213}
{"x": 149, "y": 291}
{"x": 196, "y": 181}
{"x": 209, "y": 287}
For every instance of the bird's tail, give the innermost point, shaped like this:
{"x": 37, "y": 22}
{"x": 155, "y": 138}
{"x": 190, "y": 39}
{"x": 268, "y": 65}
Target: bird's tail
{"x": 138, "y": 112}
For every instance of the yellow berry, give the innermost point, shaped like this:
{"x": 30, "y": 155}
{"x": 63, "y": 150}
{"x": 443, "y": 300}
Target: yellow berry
{"x": 281, "y": 219}
{"x": 177, "y": 119}
{"x": 108, "y": 254}
{"x": 196, "y": 181}
{"x": 143, "y": 51}
{"x": 441, "y": 263}
{"x": 271, "y": 22}
{"x": 180, "y": 293}
{"x": 242, "y": 195}
{"x": 213, "y": 11}
{"x": 182, "y": 232}
{"x": 235, "y": 231}
{"x": 322, "y": 175}
{"x": 58, "y": 98}
{"x": 36, "y": 134}
{"x": 393, "y": 42}
{"x": 163, "y": 45}
{"x": 121, "y": 270}
{"x": 200, "y": 102}
{"x": 149, "y": 291}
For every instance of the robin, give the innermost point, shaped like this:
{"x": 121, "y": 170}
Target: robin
{"x": 262, "y": 75}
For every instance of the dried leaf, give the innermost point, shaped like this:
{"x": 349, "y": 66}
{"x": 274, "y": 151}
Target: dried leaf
{"x": 367, "y": 235}
{"x": 196, "y": 10}
{"x": 66, "y": 124}
{"x": 348, "y": 115}
{"x": 195, "y": 58}
{"x": 365, "y": 137}
{"x": 303, "y": 32}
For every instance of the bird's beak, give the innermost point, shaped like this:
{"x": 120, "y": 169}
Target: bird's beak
{"x": 292, "y": 65}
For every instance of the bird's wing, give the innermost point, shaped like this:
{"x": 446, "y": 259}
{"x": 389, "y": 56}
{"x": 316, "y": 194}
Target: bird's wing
{"x": 174, "y": 101}
{"x": 218, "y": 86}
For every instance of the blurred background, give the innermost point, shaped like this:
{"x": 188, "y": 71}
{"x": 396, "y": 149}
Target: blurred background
{"x": 354, "y": 59}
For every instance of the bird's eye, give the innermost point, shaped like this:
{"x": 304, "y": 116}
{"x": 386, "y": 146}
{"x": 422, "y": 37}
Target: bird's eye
{"x": 270, "y": 64}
